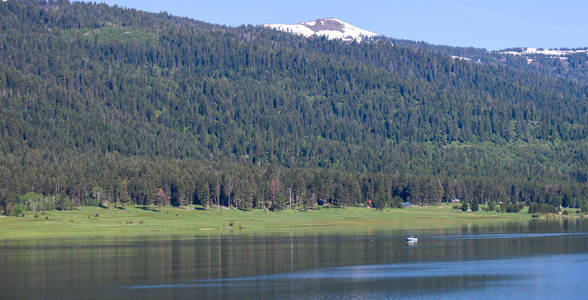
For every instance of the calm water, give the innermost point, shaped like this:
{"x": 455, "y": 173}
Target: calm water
{"x": 538, "y": 260}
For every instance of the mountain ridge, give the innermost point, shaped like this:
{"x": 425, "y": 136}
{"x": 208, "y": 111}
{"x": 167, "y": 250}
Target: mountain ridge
{"x": 563, "y": 63}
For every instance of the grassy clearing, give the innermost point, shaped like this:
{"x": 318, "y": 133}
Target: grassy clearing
{"x": 135, "y": 221}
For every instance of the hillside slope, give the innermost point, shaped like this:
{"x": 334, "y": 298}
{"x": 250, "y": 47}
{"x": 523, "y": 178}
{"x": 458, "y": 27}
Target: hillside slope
{"x": 151, "y": 108}
{"x": 570, "y": 64}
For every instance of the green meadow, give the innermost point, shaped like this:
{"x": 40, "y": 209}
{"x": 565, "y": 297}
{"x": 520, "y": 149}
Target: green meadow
{"x": 137, "y": 221}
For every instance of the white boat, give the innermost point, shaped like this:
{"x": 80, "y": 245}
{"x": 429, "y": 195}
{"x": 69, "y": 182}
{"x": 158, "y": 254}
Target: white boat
{"x": 412, "y": 239}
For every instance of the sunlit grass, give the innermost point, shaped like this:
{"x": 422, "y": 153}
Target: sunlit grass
{"x": 135, "y": 221}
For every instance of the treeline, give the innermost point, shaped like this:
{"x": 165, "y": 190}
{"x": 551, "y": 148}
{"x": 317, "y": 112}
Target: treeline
{"x": 100, "y": 102}
{"x": 119, "y": 181}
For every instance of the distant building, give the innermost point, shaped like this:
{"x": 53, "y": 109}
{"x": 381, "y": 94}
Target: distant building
{"x": 455, "y": 200}
{"x": 406, "y": 204}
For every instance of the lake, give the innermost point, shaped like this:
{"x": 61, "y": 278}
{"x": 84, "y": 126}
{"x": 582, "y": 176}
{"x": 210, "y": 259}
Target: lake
{"x": 540, "y": 260}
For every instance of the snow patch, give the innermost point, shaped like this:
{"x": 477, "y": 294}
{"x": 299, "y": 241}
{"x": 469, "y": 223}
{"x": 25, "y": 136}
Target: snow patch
{"x": 294, "y": 29}
{"x": 461, "y": 58}
{"x": 550, "y": 52}
{"x": 330, "y": 28}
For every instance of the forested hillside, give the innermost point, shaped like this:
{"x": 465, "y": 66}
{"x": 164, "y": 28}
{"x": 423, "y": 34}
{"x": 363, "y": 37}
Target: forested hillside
{"x": 101, "y": 104}
{"x": 573, "y": 66}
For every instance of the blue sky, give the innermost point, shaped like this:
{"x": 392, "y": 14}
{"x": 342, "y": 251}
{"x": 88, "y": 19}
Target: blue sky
{"x": 491, "y": 24}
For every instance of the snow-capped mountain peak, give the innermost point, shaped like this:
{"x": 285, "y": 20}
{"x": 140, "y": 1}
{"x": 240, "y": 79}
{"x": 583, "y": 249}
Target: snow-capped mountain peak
{"x": 330, "y": 28}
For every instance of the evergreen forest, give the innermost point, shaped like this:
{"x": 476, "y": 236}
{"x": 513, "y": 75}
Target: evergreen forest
{"x": 105, "y": 105}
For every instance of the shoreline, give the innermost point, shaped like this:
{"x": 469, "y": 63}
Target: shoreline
{"x": 136, "y": 221}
